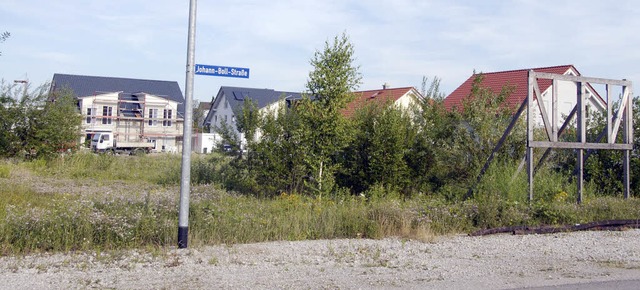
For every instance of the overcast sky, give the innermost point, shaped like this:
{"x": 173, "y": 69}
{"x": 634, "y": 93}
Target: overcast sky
{"x": 396, "y": 41}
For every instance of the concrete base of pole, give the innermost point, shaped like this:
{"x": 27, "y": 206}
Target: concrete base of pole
{"x": 183, "y": 233}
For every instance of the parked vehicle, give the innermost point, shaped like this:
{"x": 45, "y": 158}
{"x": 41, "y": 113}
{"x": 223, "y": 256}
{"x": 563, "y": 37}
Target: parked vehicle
{"x": 106, "y": 143}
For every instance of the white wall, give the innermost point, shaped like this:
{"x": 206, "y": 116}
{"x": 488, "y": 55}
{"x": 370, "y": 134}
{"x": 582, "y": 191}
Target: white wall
{"x": 96, "y": 104}
{"x": 567, "y": 99}
{"x": 205, "y": 142}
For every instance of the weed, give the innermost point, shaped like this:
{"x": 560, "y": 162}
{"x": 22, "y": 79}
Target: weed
{"x": 33, "y": 221}
{"x": 5, "y": 170}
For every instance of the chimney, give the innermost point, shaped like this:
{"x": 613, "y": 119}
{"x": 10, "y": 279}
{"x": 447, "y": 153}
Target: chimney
{"x": 385, "y": 86}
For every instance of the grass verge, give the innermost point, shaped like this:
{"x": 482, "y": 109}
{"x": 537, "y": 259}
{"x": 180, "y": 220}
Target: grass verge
{"x": 34, "y": 220}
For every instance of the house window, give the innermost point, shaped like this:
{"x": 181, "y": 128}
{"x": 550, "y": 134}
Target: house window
{"x": 107, "y": 112}
{"x": 167, "y": 118}
{"x": 215, "y": 119}
{"x": 89, "y": 119}
{"x": 153, "y": 115}
{"x": 225, "y": 103}
{"x": 225, "y": 118}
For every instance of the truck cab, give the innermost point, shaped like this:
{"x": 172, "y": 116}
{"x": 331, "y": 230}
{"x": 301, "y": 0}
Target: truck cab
{"x": 102, "y": 142}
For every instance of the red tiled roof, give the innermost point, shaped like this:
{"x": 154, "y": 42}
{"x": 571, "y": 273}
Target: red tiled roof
{"x": 496, "y": 80}
{"x": 379, "y": 97}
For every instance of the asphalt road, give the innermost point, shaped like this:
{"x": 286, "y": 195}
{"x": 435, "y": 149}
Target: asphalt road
{"x": 618, "y": 285}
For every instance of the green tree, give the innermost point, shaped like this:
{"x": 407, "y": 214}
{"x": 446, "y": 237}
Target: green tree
{"x": 432, "y": 92}
{"x": 58, "y": 125}
{"x": 300, "y": 144}
{"x": 330, "y": 85}
{"x": 198, "y": 117}
{"x": 603, "y": 168}
{"x": 37, "y": 123}
{"x": 377, "y": 154}
{"x": 433, "y": 125}
{"x": 454, "y": 144}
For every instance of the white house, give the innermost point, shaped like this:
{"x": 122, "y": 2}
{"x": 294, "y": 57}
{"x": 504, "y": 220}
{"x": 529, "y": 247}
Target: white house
{"x": 134, "y": 110}
{"x": 228, "y": 104}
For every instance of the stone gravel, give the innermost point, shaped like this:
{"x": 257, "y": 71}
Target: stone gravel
{"x": 452, "y": 262}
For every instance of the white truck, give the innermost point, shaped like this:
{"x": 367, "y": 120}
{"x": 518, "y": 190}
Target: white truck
{"x": 105, "y": 142}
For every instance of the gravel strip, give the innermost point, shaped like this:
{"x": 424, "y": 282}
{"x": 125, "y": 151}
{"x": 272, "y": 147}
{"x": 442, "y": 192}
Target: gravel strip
{"x": 455, "y": 262}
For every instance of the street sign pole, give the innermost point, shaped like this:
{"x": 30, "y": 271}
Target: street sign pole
{"x": 185, "y": 180}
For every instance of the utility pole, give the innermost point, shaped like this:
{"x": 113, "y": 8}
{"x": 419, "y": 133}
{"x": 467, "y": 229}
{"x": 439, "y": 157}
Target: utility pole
{"x": 185, "y": 180}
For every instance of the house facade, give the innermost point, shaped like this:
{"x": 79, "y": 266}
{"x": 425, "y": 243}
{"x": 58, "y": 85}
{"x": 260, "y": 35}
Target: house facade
{"x": 134, "y": 110}
{"x": 518, "y": 81}
{"x": 228, "y": 104}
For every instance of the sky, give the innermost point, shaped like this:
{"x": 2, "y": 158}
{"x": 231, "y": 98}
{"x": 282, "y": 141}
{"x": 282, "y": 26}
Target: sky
{"x": 397, "y": 42}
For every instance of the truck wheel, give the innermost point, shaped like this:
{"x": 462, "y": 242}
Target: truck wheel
{"x": 138, "y": 152}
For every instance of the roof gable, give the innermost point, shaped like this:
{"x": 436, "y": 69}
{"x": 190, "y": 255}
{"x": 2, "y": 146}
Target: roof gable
{"x": 83, "y": 86}
{"x": 236, "y": 96}
{"x": 517, "y": 79}
{"x": 378, "y": 97}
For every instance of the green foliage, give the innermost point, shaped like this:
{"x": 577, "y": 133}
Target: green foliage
{"x": 5, "y": 170}
{"x": 330, "y": 83}
{"x": 378, "y": 152}
{"x": 153, "y": 169}
{"x": 37, "y": 124}
{"x": 278, "y": 162}
{"x": 198, "y": 117}
{"x": 299, "y": 145}
{"x": 432, "y": 93}
{"x": 334, "y": 75}
{"x": 603, "y": 168}
{"x": 452, "y": 145}
{"x": 35, "y": 221}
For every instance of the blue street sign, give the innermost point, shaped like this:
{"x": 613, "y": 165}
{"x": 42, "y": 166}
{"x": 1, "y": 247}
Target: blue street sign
{"x": 222, "y": 71}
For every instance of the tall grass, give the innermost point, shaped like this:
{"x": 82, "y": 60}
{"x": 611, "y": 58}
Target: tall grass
{"x": 36, "y": 222}
{"x": 33, "y": 221}
{"x": 158, "y": 169}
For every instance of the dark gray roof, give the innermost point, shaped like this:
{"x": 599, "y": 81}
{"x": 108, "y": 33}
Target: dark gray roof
{"x": 83, "y": 86}
{"x": 262, "y": 97}
{"x": 237, "y": 95}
